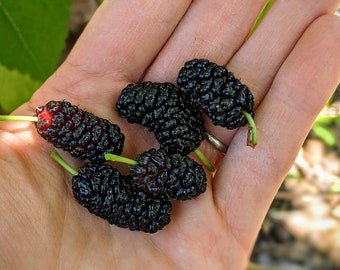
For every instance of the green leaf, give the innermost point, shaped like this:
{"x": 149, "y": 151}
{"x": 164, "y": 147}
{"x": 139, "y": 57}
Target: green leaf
{"x": 327, "y": 120}
{"x": 325, "y": 134}
{"x": 15, "y": 88}
{"x": 32, "y": 35}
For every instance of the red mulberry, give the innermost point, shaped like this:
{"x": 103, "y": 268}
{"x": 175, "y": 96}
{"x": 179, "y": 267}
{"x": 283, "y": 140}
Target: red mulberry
{"x": 81, "y": 133}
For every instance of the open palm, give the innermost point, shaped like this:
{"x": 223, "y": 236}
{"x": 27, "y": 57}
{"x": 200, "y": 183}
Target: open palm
{"x": 290, "y": 63}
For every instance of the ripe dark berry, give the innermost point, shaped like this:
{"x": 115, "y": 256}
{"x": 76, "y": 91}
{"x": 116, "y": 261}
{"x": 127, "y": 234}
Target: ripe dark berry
{"x": 217, "y": 92}
{"x": 106, "y": 193}
{"x": 159, "y": 107}
{"x": 79, "y": 132}
{"x": 175, "y": 175}
{"x": 147, "y": 212}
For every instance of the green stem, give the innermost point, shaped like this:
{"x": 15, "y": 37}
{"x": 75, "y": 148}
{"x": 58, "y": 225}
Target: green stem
{"x": 18, "y": 118}
{"x": 204, "y": 160}
{"x": 55, "y": 155}
{"x": 260, "y": 17}
{"x": 252, "y": 136}
{"x": 116, "y": 158}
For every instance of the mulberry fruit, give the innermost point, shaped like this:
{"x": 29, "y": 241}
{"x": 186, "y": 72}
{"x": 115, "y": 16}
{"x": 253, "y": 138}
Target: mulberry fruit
{"x": 175, "y": 175}
{"x": 106, "y": 193}
{"x": 81, "y": 133}
{"x": 216, "y": 91}
{"x": 159, "y": 107}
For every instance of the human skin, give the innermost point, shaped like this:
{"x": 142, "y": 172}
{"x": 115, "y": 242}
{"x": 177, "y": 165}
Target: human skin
{"x": 290, "y": 63}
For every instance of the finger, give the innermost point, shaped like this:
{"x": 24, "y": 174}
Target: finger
{"x": 259, "y": 59}
{"x": 123, "y": 37}
{"x": 248, "y": 179}
{"x": 119, "y": 43}
{"x": 210, "y": 29}
{"x": 261, "y": 56}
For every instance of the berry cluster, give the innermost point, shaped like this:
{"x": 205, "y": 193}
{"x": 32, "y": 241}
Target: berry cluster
{"x": 142, "y": 200}
{"x": 98, "y": 186}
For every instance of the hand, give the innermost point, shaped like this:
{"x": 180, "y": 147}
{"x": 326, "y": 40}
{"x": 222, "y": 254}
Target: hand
{"x": 290, "y": 63}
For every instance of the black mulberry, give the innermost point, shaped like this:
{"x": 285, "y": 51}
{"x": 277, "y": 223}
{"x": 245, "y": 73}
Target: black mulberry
{"x": 216, "y": 91}
{"x": 159, "y": 107}
{"x": 106, "y": 193}
{"x": 81, "y": 133}
{"x": 175, "y": 175}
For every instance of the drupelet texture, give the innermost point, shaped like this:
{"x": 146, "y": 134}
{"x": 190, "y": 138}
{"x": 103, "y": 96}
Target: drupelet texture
{"x": 81, "y": 133}
{"x": 175, "y": 175}
{"x": 177, "y": 126}
{"x": 106, "y": 193}
{"x": 214, "y": 90}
